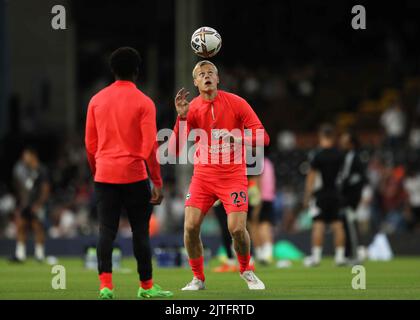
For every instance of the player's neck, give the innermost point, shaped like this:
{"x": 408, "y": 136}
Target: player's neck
{"x": 208, "y": 95}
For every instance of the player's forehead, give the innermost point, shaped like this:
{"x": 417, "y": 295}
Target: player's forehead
{"x": 204, "y": 67}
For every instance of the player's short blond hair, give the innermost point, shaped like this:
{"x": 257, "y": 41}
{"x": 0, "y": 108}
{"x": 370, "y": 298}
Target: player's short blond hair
{"x": 203, "y": 63}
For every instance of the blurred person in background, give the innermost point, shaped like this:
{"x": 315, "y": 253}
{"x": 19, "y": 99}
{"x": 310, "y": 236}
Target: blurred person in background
{"x": 7, "y": 208}
{"x": 364, "y": 217}
{"x": 262, "y": 217}
{"x": 394, "y": 123}
{"x": 372, "y": 197}
{"x": 353, "y": 180}
{"x": 412, "y": 188}
{"x": 254, "y": 204}
{"x": 393, "y": 199}
{"x": 32, "y": 187}
{"x": 323, "y": 202}
{"x": 64, "y": 224}
{"x": 286, "y": 202}
{"x": 120, "y": 140}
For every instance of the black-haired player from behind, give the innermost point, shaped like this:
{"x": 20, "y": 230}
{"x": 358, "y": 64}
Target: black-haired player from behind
{"x": 120, "y": 141}
{"x": 322, "y": 197}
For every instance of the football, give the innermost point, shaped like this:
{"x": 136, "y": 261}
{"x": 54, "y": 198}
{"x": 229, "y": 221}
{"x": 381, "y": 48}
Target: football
{"x": 206, "y": 42}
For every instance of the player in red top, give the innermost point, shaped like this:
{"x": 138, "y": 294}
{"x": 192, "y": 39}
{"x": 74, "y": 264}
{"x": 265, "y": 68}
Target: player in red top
{"x": 219, "y": 170}
{"x": 120, "y": 138}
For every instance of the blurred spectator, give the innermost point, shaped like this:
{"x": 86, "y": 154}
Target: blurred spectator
{"x": 393, "y": 199}
{"x": 64, "y": 224}
{"x": 412, "y": 187}
{"x": 414, "y": 138}
{"x": 286, "y": 140}
{"x": 7, "y": 207}
{"x": 363, "y": 212}
{"x": 393, "y": 121}
{"x": 287, "y": 201}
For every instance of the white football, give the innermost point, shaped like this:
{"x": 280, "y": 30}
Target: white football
{"x": 206, "y": 42}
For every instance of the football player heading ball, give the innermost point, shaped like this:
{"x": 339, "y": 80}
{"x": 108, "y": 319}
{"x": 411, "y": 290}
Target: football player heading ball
{"x": 222, "y": 111}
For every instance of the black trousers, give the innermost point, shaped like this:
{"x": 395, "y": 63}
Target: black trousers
{"x": 135, "y": 199}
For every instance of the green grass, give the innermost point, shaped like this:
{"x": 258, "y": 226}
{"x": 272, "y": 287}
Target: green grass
{"x": 397, "y": 279}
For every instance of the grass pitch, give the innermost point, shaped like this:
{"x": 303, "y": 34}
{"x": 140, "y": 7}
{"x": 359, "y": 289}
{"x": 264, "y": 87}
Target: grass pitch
{"x": 397, "y": 279}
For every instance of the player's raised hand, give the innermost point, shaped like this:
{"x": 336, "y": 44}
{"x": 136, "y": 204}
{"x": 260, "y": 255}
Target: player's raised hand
{"x": 181, "y": 103}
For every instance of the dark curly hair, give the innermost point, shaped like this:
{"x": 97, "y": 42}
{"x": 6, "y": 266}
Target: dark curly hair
{"x": 125, "y": 63}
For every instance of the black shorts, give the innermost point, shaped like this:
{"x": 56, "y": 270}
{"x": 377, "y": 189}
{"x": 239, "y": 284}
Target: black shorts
{"x": 328, "y": 204}
{"x": 29, "y": 215}
{"x": 351, "y": 199}
{"x": 266, "y": 213}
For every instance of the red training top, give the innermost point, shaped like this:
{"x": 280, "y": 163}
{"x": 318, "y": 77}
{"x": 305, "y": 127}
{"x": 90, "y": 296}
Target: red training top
{"x": 121, "y": 135}
{"x": 214, "y": 157}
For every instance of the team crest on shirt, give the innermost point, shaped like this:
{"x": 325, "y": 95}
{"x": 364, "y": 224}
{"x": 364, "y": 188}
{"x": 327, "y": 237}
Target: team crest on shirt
{"x": 188, "y": 196}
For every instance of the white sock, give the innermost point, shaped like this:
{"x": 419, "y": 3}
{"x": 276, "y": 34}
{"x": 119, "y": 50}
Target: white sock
{"x": 268, "y": 251}
{"x": 20, "y": 252}
{"x": 317, "y": 253}
{"x": 339, "y": 254}
{"x": 39, "y": 251}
